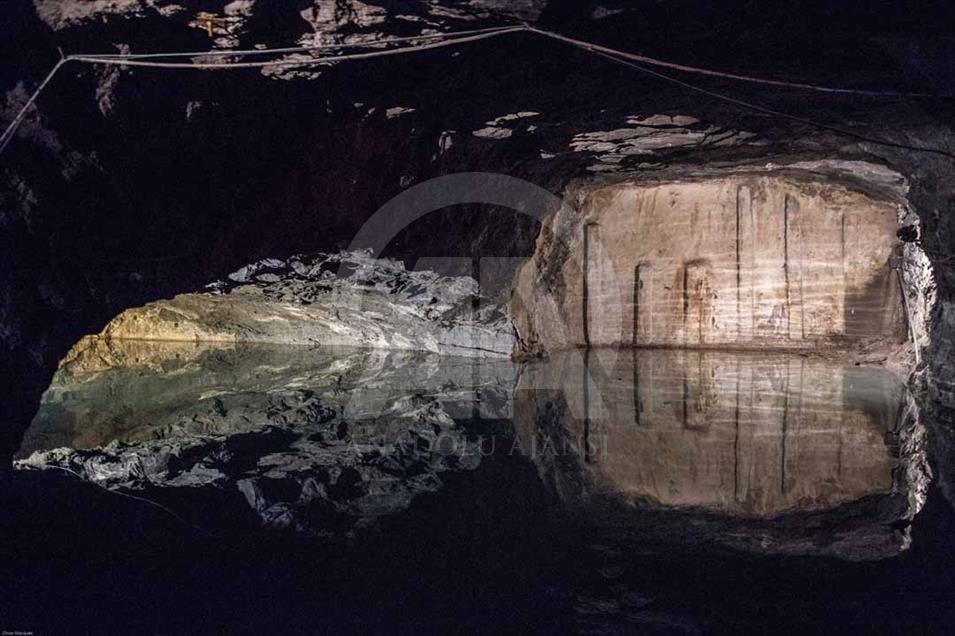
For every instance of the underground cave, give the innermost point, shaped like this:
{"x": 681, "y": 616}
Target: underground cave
{"x": 325, "y": 320}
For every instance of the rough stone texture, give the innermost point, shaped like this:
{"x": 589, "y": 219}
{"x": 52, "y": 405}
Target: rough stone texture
{"x": 59, "y": 14}
{"x": 349, "y": 299}
{"x": 646, "y": 136}
{"x": 319, "y": 22}
{"x": 772, "y": 261}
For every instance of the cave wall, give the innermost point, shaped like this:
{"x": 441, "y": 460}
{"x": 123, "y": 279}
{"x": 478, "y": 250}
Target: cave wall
{"x": 124, "y": 188}
{"x": 753, "y": 261}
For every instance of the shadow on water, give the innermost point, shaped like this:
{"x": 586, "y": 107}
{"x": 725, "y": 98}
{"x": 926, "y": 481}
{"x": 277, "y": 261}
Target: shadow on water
{"x": 629, "y": 491}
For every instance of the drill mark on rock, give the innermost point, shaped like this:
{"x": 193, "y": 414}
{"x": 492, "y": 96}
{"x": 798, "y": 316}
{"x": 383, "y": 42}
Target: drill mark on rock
{"x": 736, "y": 488}
{"x": 585, "y": 290}
{"x": 588, "y": 455}
{"x": 686, "y": 298}
{"x": 787, "y": 210}
{"x": 739, "y": 275}
{"x": 785, "y": 433}
{"x": 637, "y": 284}
{"x": 686, "y": 399}
{"x": 636, "y": 387}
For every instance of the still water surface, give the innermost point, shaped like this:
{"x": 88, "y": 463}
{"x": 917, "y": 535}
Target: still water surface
{"x": 743, "y": 434}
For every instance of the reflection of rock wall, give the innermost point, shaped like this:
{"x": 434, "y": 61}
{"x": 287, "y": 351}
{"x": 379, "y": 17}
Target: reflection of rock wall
{"x": 735, "y": 433}
{"x": 319, "y": 439}
{"x": 745, "y": 260}
{"x": 130, "y": 390}
{"x": 313, "y": 439}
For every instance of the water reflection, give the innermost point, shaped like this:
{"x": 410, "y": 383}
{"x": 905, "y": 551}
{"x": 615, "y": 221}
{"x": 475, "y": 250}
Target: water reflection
{"x": 744, "y": 434}
{"x": 129, "y": 391}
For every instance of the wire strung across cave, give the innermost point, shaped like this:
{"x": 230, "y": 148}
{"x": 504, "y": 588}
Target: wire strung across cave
{"x": 448, "y": 41}
{"x": 633, "y": 57}
{"x": 154, "y": 60}
{"x": 12, "y": 128}
{"x": 145, "y": 59}
{"x": 778, "y": 113}
{"x": 302, "y": 49}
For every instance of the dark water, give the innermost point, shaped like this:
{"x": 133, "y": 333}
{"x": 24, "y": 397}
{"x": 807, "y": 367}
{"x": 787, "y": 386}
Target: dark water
{"x": 621, "y": 491}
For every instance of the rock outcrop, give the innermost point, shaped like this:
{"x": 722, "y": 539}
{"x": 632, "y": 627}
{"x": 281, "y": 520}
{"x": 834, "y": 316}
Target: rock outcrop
{"x": 319, "y": 22}
{"x": 348, "y": 299}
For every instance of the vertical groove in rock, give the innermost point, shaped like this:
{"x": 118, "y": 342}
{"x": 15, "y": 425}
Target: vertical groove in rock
{"x": 585, "y": 286}
{"x": 636, "y": 304}
{"x": 736, "y": 436}
{"x": 686, "y": 300}
{"x": 739, "y": 277}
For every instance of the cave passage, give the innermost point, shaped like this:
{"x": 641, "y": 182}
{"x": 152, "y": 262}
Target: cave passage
{"x": 703, "y": 341}
{"x": 477, "y": 316}
{"x": 723, "y": 370}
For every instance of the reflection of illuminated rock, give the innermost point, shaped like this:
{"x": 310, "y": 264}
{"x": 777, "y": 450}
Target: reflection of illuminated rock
{"x": 320, "y": 438}
{"x": 316, "y": 440}
{"x": 130, "y": 390}
{"x": 731, "y": 432}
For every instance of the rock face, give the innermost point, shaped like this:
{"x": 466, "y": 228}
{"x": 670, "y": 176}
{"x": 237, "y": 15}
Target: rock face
{"x": 316, "y": 23}
{"x": 348, "y": 299}
{"x": 766, "y": 260}
{"x": 645, "y": 136}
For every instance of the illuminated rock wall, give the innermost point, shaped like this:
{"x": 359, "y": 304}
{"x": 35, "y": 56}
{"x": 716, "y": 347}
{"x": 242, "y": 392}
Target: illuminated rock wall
{"x": 346, "y": 299}
{"x": 759, "y": 260}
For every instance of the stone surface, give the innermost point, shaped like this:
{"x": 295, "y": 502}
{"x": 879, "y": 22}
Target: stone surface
{"x": 333, "y": 21}
{"x": 348, "y": 299}
{"x": 771, "y": 261}
{"x": 135, "y": 186}
{"x": 648, "y": 136}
